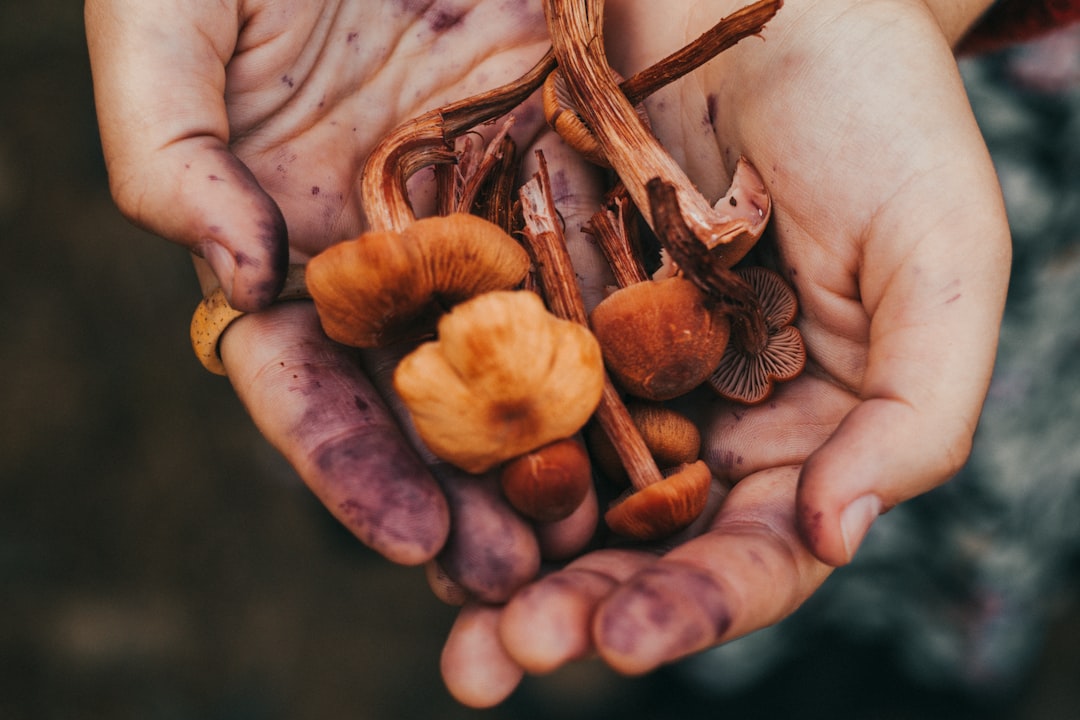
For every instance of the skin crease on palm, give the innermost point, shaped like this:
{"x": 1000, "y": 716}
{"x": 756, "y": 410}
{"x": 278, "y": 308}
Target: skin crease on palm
{"x": 887, "y": 217}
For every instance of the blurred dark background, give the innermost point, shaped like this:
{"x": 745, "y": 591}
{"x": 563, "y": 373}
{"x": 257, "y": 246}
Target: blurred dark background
{"x": 158, "y": 560}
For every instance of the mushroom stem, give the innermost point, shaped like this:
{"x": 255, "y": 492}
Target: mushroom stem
{"x": 743, "y": 23}
{"x": 698, "y": 265}
{"x": 427, "y": 140}
{"x": 609, "y": 227}
{"x": 547, "y": 243}
{"x": 631, "y": 149}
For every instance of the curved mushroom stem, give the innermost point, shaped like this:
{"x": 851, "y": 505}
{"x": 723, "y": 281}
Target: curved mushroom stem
{"x": 427, "y": 139}
{"x": 743, "y": 23}
{"x": 631, "y": 149}
{"x": 544, "y": 236}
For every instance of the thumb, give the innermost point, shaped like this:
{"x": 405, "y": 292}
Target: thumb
{"x": 159, "y": 84}
{"x": 933, "y": 338}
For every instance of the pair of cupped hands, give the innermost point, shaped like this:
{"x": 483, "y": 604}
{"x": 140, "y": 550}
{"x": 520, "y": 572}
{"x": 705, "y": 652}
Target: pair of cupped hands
{"x": 239, "y": 129}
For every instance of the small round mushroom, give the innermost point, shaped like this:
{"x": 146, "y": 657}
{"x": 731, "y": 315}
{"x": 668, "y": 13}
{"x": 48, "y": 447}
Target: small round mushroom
{"x": 503, "y": 378}
{"x": 385, "y": 286}
{"x": 550, "y": 482}
{"x": 672, "y": 438}
{"x": 660, "y": 338}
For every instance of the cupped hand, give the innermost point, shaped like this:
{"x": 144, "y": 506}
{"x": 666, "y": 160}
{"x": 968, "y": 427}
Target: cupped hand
{"x": 888, "y": 222}
{"x": 239, "y": 130}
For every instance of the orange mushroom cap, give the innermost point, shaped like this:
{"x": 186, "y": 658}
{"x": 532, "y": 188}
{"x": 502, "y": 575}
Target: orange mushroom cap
{"x": 550, "y": 482}
{"x": 504, "y": 377}
{"x": 663, "y": 508}
{"x": 661, "y": 338}
{"x": 384, "y": 286}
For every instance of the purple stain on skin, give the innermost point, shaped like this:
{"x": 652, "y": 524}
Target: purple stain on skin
{"x": 810, "y": 524}
{"x": 315, "y": 190}
{"x": 663, "y": 613}
{"x": 490, "y": 550}
{"x": 351, "y": 37}
{"x": 441, "y": 20}
{"x": 287, "y": 80}
{"x": 711, "y": 107}
{"x": 383, "y": 493}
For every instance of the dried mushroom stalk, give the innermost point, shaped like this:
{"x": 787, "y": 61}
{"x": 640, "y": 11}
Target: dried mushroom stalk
{"x": 428, "y": 139}
{"x": 630, "y": 147}
{"x": 660, "y": 506}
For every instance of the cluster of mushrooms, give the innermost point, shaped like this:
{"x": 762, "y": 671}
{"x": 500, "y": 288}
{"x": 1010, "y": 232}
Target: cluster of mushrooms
{"x": 509, "y": 373}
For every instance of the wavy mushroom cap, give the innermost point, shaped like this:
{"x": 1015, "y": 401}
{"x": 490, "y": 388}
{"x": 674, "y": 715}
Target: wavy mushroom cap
{"x": 504, "y": 377}
{"x": 384, "y": 286}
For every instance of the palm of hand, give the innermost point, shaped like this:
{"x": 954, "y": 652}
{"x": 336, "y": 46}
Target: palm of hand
{"x": 312, "y": 89}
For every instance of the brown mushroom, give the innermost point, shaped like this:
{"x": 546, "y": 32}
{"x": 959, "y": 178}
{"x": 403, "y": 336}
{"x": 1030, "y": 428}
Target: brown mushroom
{"x": 748, "y": 375}
{"x": 679, "y": 498}
{"x": 563, "y": 117}
{"x": 672, "y": 438}
{"x": 657, "y": 510}
{"x": 395, "y": 280}
{"x": 561, "y": 111}
{"x": 503, "y": 378}
{"x": 765, "y": 347}
{"x": 384, "y": 285}
{"x": 660, "y": 338}
{"x": 550, "y": 482}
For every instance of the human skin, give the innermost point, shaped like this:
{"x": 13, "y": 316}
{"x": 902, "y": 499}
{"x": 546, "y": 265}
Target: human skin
{"x": 239, "y": 130}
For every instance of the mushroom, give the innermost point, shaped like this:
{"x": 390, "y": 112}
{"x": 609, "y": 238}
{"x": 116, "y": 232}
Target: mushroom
{"x": 630, "y": 147}
{"x": 748, "y": 375}
{"x": 550, "y": 482}
{"x": 672, "y": 438}
{"x": 657, "y": 510}
{"x": 678, "y": 499}
{"x": 394, "y": 280}
{"x": 765, "y": 347}
{"x": 660, "y": 338}
{"x": 503, "y": 378}
{"x": 385, "y": 285}
{"x": 561, "y": 111}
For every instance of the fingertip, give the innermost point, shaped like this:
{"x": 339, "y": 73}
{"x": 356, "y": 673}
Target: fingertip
{"x": 546, "y": 624}
{"x": 475, "y": 667}
{"x": 566, "y": 538}
{"x": 833, "y": 515}
{"x": 664, "y": 613}
{"x": 491, "y": 551}
{"x": 248, "y": 252}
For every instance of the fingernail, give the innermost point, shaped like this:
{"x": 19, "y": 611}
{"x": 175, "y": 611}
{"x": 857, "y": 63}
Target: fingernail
{"x": 222, "y": 263}
{"x": 856, "y": 520}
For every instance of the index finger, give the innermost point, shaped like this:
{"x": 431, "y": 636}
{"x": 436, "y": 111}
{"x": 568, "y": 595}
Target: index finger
{"x": 159, "y": 86}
